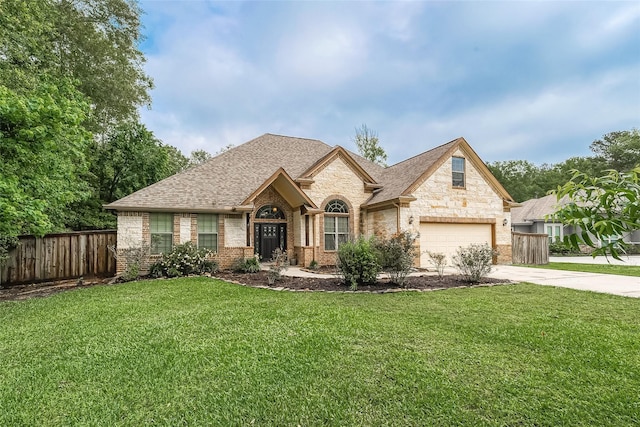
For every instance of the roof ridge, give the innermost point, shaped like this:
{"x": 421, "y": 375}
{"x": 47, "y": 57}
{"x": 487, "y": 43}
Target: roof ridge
{"x": 290, "y": 137}
{"x": 425, "y": 152}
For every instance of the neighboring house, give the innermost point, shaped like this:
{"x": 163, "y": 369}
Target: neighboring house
{"x": 307, "y": 197}
{"x": 531, "y": 217}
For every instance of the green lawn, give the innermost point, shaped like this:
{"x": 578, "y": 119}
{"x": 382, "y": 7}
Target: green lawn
{"x": 203, "y": 352}
{"x": 621, "y": 270}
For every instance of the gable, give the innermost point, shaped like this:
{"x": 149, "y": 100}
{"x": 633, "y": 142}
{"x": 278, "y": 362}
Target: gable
{"x": 338, "y": 153}
{"x": 285, "y": 186}
{"x": 473, "y": 165}
{"x": 337, "y": 177}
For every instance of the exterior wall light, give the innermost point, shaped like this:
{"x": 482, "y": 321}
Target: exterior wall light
{"x": 504, "y": 222}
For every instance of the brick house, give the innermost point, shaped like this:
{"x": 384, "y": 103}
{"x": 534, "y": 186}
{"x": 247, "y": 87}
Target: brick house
{"x": 306, "y": 197}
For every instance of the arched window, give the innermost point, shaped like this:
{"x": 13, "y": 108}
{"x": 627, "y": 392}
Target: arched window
{"x": 336, "y": 224}
{"x": 269, "y": 212}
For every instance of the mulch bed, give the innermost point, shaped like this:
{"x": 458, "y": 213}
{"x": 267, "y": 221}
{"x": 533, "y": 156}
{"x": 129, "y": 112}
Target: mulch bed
{"x": 425, "y": 282}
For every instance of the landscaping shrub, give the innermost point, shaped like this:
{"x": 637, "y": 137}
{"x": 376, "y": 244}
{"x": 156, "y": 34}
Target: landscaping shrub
{"x": 474, "y": 261}
{"x": 134, "y": 259}
{"x": 279, "y": 264}
{"x": 246, "y": 265}
{"x": 357, "y": 262}
{"x": 439, "y": 261}
{"x": 560, "y": 248}
{"x": 396, "y": 255}
{"x": 183, "y": 260}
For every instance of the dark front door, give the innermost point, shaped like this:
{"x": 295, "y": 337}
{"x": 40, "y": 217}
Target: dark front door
{"x": 270, "y": 237}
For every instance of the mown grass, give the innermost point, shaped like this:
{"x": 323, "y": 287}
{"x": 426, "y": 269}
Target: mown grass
{"x": 203, "y": 352}
{"x": 621, "y": 270}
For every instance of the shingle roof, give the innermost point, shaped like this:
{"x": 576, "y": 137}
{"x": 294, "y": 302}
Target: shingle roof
{"x": 399, "y": 177}
{"x": 536, "y": 209}
{"x": 226, "y": 180}
{"x": 229, "y": 178}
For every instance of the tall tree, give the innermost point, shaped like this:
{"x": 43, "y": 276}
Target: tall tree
{"x": 198, "y": 157}
{"x": 521, "y": 178}
{"x": 619, "y": 150}
{"x": 368, "y": 145}
{"x": 92, "y": 42}
{"x": 42, "y": 157}
{"x": 131, "y": 158}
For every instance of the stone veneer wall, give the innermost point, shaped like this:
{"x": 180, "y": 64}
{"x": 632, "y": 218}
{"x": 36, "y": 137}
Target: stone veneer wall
{"x": 130, "y": 235}
{"x": 185, "y": 228}
{"x": 384, "y": 223}
{"x": 336, "y": 180}
{"x": 437, "y": 198}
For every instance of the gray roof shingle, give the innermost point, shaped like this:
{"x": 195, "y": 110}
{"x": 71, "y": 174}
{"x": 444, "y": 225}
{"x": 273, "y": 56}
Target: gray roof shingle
{"x": 399, "y": 177}
{"x": 536, "y": 209}
{"x": 227, "y": 180}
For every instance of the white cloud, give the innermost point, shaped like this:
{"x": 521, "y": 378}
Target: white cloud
{"x": 535, "y": 126}
{"x": 226, "y": 73}
{"x": 321, "y": 55}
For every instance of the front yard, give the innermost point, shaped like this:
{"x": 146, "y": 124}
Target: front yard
{"x": 203, "y": 352}
{"x": 621, "y": 270}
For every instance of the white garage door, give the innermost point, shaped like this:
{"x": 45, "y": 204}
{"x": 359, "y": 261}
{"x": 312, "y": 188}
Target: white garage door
{"x": 447, "y": 238}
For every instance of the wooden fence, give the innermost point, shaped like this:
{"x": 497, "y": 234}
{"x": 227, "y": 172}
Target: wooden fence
{"x": 529, "y": 248}
{"x": 60, "y": 256}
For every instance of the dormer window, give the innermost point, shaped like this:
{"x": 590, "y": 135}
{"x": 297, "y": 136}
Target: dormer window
{"x": 457, "y": 174}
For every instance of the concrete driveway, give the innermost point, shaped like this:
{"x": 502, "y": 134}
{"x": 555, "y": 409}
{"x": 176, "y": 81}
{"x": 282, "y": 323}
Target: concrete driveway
{"x": 606, "y": 283}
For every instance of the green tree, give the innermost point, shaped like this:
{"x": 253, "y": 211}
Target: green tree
{"x": 368, "y": 145}
{"x": 198, "y": 157}
{"x": 525, "y": 180}
{"x": 225, "y": 148}
{"x": 131, "y": 158}
{"x": 619, "y": 150}
{"x": 601, "y": 207}
{"x": 92, "y": 42}
{"x": 42, "y": 157}
{"x": 521, "y": 178}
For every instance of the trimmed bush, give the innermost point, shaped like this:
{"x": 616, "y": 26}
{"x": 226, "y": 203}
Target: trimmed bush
{"x": 246, "y": 265}
{"x": 439, "y": 261}
{"x": 134, "y": 258}
{"x": 357, "y": 262}
{"x": 280, "y": 263}
{"x": 183, "y": 260}
{"x": 474, "y": 261}
{"x": 396, "y": 256}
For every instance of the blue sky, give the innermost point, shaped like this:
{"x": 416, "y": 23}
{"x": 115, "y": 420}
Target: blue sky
{"x": 537, "y": 81}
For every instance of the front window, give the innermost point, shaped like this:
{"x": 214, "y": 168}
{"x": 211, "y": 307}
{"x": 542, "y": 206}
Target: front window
{"x": 457, "y": 175}
{"x": 208, "y": 231}
{"x": 336, "y": 224}
{"x": 270, "y": 212}
{"x": 161, "y": 227}
{"x": 608, "y": 240}
{"x": 554, "y": 231}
